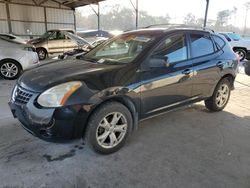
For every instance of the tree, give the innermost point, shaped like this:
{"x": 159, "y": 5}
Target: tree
{"x": 223, "y": 17}
{"x": 189, "y": 19}
{"x": 119, "y": 17}
{"x": 247, "y": 6}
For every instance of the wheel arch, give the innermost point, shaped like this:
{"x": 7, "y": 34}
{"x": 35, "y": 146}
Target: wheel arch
{"x": 126, "y": 101}
{"x": 230, "y": 78}
{"x": 43, "y": 48}
{"x": 13, "y": 60}
{"x": 242, "y": 48}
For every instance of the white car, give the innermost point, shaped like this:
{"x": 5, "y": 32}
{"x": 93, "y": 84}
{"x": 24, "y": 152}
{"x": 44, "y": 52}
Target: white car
{"x": 15, "y": 58}
{"x": 240, "y": 46}
{"x": 13, "y": 38}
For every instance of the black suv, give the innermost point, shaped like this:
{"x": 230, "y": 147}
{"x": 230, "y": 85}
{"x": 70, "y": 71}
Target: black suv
{"x": 136, "y": 75}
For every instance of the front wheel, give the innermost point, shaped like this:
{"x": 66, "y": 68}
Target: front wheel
{"x": 10, "y": 70}
{"x": 109, "y": 127}
{"x": 220, "y": 96}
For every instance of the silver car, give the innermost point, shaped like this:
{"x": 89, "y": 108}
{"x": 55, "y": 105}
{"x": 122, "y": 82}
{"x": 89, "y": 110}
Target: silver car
{"x": 15, "y": 58}
{"x": 53, "y": 41}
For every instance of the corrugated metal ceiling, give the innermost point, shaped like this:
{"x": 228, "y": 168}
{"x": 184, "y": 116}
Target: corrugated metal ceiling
{"x": 70, "y": 3}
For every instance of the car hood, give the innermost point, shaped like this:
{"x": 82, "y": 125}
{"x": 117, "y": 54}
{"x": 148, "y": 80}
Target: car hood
{"x": 47, "y": 76}
{"x": 36, "y": 40}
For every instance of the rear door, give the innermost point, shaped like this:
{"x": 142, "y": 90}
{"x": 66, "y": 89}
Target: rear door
{"x": 206, "y": 64}
{"x": 56, "y": 42}
{"x": 69, "y": 44}
{"x": 165, "y": 87}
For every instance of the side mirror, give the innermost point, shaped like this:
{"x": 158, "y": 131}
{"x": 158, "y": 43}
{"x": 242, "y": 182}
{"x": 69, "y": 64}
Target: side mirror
{"x": 157, "y": 61}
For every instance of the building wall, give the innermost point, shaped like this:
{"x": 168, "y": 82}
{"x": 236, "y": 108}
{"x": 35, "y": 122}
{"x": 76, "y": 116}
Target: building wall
{"x": 28, "y": 19}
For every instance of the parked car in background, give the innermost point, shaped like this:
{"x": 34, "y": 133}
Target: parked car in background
{"x": 53, "y": 41}
{"x": 131, "y": 77}
{"x": 13, "y": 38}
{"x": 93, "y": 35}
{"x": 240, "y": 45}
{"x": 81, "y": 50}
{"x": 15, "y": 58}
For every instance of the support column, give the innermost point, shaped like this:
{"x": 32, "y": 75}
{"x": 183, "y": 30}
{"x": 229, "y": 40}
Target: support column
{"x": 8, "y": 17}
{"x": 206, "y": 13}
{"x": 45, "y": 19}
{"x": 136, "y": 8}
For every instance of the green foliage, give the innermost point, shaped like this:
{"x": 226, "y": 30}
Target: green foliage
{"x": 119, "y": 17}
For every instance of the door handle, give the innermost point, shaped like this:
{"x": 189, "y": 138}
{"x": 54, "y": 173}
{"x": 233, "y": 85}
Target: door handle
{"x": 187, "y": 71}
{"x": 220, "y": 64}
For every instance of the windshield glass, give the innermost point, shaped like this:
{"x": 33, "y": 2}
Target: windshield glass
{"x": 122, "y": 49}
{"x": 234, "y": 36}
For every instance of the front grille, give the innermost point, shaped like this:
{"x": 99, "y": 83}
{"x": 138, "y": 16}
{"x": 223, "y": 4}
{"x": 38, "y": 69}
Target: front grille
{"x": 21, "y": 96}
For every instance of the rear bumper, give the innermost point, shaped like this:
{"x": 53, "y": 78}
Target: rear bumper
{"x": 58, "y": 124}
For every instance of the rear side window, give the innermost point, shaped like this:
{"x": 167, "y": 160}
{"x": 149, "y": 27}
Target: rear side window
{"x": 201, "y": 45}
{"x": 220, "y": 43}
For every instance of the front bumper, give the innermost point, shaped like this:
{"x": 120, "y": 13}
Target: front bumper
{"x": 51, "y": 124}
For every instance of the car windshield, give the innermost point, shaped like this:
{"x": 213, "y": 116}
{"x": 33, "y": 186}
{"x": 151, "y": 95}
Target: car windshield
{"x": 234, "y": 36}
{"x": 122, "y": 49}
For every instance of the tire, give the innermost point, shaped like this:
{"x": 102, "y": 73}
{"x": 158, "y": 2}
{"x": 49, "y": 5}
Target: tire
{"x": 101, "y": 131}
{"x": 10, "y": 69}
{"x": 42, "y": 53}
{"x": 241, "y": 53}
{"x": 220, "y": 97}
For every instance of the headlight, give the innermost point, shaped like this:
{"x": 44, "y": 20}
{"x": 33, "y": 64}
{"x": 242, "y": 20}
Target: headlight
{"x": 58, "y": 95}
{"x": 30, "y": 49}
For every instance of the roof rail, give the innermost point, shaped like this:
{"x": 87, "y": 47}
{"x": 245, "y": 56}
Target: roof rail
{"x": 172, "y": 26}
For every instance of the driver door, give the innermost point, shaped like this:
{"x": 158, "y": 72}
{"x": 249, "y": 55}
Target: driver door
{"x": 166, "y": 76}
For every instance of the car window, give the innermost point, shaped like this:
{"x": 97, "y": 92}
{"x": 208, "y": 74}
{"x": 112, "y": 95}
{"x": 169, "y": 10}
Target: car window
{"x": 173, "y": 49}
{"x": 57, "y": 36}
{"x": 219, "y": 41}
{"x": 201, "y": 44}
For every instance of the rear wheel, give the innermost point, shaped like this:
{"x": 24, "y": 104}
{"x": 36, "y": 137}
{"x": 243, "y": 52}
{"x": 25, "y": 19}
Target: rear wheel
{"x": 10, "y": 70}
{"x": 241, "y": 53}
{"x": 109, "y": 127}
{"x": 220, "y": 96}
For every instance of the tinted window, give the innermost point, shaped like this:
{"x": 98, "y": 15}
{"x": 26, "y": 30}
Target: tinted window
{"x": 201, "y": 45}
{"x": 173, "y": 49}
{"x": 219, "y": 41}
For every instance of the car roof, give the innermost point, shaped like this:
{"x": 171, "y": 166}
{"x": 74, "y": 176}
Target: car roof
{"x": 155, "y": 31}
{"x": 61, "y": 30}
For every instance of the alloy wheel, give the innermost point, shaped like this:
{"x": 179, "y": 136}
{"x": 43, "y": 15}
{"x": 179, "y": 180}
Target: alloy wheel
{"x": 41, "y": 54}
{"x": 222, "y": 95}
{"x": 9, "y": 70}
{"x": 111, "y": 130}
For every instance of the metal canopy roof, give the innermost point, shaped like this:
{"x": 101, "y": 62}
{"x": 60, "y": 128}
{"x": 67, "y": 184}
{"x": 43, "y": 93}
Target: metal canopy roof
{"x": 72, "y": 3}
